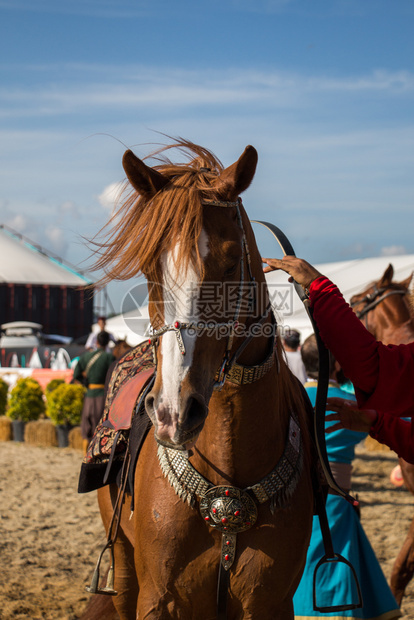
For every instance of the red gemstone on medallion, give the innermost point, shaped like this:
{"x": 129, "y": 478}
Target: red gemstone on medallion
{"x": 224, "y": 520}
{"x": 214, "y": 510}
{"x": 149, "y": 341}
{"x": 227, "y": 492}
{"x": 227, "y": 542}
{"x": 227, "y": 558}
{"x": 177, "y": 324}
{"x": 236, "y": 514}
{"x": 206, "y": 518}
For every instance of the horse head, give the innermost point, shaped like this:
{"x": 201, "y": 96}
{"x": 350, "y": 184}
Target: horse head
{"x": 385, "y": 309}
{"x": 191, "y": 244}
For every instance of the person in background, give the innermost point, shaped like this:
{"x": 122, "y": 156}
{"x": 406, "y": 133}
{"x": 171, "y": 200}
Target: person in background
{"x": 335, "y": 583}
{"x": 92, "y": 341}
{"x": 291, "y": 342}
{"x": 91, "y": 371}
{"x": 382, "y": 375}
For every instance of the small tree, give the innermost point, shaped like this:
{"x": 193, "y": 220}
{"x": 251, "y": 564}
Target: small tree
{"x": 52, "y": 385}
{"x": 4, "y": 387}
{"x": 64, "y": 404}
{"x": 26, "y": 400}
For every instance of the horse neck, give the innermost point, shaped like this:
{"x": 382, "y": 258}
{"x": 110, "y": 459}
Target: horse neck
{"x": 392, "y": 325}
{"x": 245, "y": 431}
{"x": 398, "y": 334}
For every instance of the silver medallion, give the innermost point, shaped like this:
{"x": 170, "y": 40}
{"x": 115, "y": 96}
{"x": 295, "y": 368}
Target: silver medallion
{"x": 228, "y": 509}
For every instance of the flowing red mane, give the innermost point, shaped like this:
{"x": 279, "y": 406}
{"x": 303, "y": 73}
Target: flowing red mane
{"x": 144, "y": 227}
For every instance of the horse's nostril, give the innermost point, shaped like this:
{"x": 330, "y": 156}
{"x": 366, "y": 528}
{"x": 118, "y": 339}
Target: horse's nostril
{"x": 195, "y": 412}
{"x": 149, "y": 404}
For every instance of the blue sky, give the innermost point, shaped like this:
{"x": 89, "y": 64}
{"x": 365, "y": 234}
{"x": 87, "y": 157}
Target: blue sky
{"x": 324, "y": 90}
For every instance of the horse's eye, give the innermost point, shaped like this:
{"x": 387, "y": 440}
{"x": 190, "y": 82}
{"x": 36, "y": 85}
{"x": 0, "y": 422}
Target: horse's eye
{"x": 231, "y": 271}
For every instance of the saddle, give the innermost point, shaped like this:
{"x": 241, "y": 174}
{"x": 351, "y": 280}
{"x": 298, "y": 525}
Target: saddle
{"x": 124, "y": 423}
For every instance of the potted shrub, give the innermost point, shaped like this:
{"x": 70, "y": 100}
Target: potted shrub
{"x": 5, "y": 423}
{"x": 4, "y": 387}
{"x": 26, "y": 403}
{"x": 52, "y": 385}
{"x": 64, "y": 408}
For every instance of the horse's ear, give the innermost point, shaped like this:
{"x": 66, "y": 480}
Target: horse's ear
{"x": 387, "y": 277}
{"x": 406, "y": 283}
{"x": 236, "y": 178}
{"x": 144, "y": 179}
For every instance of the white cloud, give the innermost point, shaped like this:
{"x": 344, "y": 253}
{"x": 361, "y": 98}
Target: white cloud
{"x": 19, "y": 223}
{"x": 393, "y": 250}
{"x": 110, "y": 196}
{"x": 134, "y": 86}
{"x": 56, "y": 239}
{"x": 69, "y": 209}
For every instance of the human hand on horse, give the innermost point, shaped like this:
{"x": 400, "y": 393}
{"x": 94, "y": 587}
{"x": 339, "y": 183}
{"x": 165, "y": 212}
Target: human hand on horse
{"x": 302, "y": 272}
{"x": 347, "y": 415}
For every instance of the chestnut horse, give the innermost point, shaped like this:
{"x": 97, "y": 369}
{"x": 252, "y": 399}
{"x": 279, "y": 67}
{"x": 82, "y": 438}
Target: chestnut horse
{"x": 385, "y": 310}
{"x": 223, "y": 401}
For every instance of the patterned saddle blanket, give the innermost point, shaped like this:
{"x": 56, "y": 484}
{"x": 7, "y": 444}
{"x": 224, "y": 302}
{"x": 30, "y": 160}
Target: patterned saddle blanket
{"x": 124, "y": 418}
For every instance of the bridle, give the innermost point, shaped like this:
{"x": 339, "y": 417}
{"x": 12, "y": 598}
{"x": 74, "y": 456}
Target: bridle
{"x": 373, "y": 299}
{"x": 230, "y": 326}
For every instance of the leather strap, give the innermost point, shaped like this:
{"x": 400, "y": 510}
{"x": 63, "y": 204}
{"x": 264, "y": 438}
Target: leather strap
{"x": 323, "y": 374}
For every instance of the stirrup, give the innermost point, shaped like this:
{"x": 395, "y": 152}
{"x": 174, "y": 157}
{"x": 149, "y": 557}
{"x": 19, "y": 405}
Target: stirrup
{"x": 94, "y": 588}
{"x": 326, "y": 560}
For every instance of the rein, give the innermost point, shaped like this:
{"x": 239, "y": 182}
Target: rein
{"x": 319, "y": 432}
{"x": 374, "y": 299}
{"x": 323, "y": 373}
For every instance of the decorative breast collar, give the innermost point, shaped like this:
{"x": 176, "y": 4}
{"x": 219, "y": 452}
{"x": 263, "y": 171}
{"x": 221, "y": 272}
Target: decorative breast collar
{"x": 241, "y": 375}
{"x": 229, "y": 509}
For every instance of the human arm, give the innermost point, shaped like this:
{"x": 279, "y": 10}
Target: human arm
{"x": 396, "y": 433}
{"x": 301, "y": 271}
{"x": 382, "y": 375}
{"x": 78, "y": 371}
{"x": 390, "y": 430}
{"x": 91, "y": 342}
{"x": 346, "y": 414}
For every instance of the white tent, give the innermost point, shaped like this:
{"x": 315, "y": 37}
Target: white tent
{"x": 130, "y": 326}
{"x": 21, "y": 262}
{"x": 351, "y": 276}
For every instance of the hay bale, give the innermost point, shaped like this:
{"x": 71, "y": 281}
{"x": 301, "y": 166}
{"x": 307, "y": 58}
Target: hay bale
{"x": 40, "y": 433}
{"x": 6, "y": 433}
{"x": 75, "y": 438}
{"x": 372, "y": 445}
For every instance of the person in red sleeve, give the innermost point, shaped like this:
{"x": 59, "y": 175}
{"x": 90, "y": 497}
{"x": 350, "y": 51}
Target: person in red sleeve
{"x": 383, "y": 375}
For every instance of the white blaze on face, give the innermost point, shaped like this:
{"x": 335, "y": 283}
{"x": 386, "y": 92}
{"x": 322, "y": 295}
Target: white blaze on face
{"x": 181, "y": 292}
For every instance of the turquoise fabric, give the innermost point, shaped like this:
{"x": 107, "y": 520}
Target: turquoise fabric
{"x": 335, "y": 583}
{"x": 340, "y": 445}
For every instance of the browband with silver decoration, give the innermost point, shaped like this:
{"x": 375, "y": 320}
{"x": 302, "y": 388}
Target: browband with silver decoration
{"x": 220, "y": 203}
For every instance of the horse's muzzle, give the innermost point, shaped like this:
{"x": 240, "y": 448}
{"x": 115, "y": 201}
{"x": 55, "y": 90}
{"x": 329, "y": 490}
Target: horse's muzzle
{"x": 177, "y": 428}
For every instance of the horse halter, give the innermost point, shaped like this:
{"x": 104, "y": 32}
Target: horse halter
{"x": 210, "y": 326}
{"x": 372, "y": 300}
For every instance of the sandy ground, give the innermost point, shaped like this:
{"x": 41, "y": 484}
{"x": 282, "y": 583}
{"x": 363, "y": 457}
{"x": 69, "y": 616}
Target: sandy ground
{"x": 50, "y": 536}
